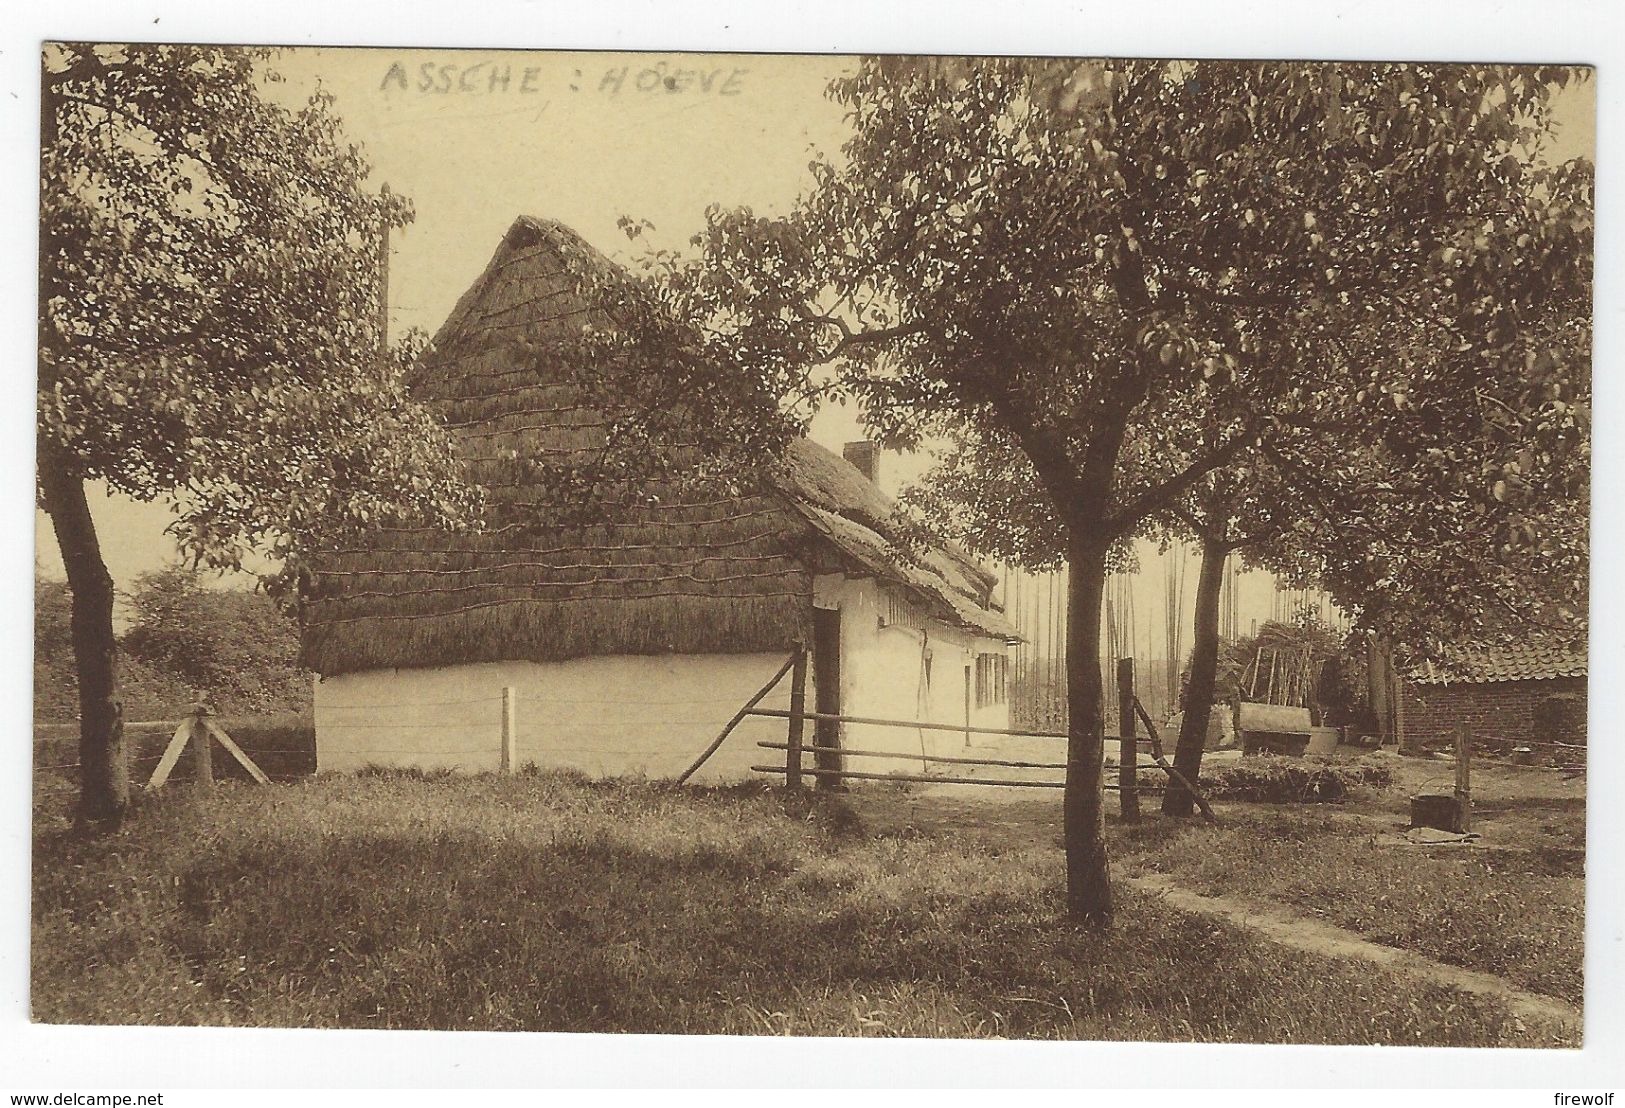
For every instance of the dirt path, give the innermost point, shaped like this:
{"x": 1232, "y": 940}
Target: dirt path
{"x": 1315, "y": 937}
{"x": 968, "y": 814}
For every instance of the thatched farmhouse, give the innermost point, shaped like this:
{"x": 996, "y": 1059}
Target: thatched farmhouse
{"x": 628, "y": 643}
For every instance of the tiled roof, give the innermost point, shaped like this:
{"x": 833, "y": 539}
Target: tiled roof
{"x": 1527, "y": 660}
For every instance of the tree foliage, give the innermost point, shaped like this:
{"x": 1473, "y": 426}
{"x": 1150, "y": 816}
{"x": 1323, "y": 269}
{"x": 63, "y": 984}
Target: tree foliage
{"x": 208, "y": 336}
{"x": 235, "y": 648}
{"x": 208, "y": 304}
{"x": 52, "y": 604}
{"x": 1061, "y": 254}
{"x": 1019, "y": 237}
{"x": 679, "y": 412}
{"x": 1469, "y": 399}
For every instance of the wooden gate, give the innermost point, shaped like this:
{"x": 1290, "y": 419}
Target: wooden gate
{"x": 829, "y": 755}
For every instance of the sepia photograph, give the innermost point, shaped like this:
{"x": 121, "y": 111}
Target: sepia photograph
{"x": 938, "y": 546}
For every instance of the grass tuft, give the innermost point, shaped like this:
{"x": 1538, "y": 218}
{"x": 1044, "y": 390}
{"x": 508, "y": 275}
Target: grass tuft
{"x": 1293, "y": 780}
{"x": 542, "y": 902}
{"x": 1518, "y": 914}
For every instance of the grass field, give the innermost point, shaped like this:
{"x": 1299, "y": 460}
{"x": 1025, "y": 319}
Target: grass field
{"x": 1519, "y": 914}
{"x": 1513, "y": 904}
{"x": 541, "y": 902}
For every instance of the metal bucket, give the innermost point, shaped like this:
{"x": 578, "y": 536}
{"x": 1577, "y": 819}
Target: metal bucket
{"x": 1440, "y": 811}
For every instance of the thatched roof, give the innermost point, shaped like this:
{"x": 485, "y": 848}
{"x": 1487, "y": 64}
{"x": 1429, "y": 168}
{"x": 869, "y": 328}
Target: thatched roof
{"x": 858, "y": 520}
{"x": 667, "y": 572}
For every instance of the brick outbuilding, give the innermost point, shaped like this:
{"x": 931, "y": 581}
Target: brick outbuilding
{"x": 1529, "y": 692}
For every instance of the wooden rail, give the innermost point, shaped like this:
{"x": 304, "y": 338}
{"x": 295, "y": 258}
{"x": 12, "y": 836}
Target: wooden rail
{"x": 908, "y": 757}
{"x": 1128, "y": 744}
{"x": 794, "y": 748}
{"x": 923, "y": 779}
{"x": 915, "y": 724}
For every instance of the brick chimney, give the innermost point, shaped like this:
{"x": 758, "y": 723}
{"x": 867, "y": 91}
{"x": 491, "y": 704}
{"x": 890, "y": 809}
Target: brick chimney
{"x": 865, "y": 458}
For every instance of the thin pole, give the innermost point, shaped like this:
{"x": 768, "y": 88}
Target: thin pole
{"x": 1464, "y": 785}
{"x": 383, "y": 283}
{"x": 1015, "y": 668}
{"x": 1060, "y": 634}
{"x": 508, "y": 729}
{"x": 203, "y": 766}
{"x": 1128, "y": 758}
{"x": 1056, "y": 649}
{"x": 737, "y": 716}
{"x": 970, "y": 679}
{"x": 1049, "y": 634}
{"x": 1024, "y": 647}
{"x": 798, "y": 715}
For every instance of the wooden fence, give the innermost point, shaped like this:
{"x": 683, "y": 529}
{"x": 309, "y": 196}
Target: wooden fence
{"x": 198, "y": 733}
{"x": 829, "y": 767}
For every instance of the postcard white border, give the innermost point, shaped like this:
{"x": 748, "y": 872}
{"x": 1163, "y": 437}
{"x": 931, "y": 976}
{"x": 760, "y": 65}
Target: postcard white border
{"x": 57, "y": 1058}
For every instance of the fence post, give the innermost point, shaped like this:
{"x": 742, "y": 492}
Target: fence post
{"x": 798, "y": 710}
{"x": 1128, "y": 752}
{"x": 728, "y": 727}
{"x": 1464, "y": 785}
{"x": 508, "y": 729}
{"x": 202, "y": 756}
{"x": 970, "y": 677}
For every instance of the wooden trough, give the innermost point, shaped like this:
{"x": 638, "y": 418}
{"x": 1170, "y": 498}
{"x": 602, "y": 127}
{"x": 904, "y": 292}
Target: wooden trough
{"x": 1273, "y": 728}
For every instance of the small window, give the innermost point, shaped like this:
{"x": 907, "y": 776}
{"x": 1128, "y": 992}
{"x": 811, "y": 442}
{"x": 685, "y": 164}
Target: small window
{"x": 900, "y": 613}
{"x": 990, "y": 679}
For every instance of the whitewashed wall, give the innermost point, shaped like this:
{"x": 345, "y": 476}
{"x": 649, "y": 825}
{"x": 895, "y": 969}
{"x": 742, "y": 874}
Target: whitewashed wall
{"x": 883, "y": 676}
{"x": 608, "y": 716}
{"x": 650, "y": 716}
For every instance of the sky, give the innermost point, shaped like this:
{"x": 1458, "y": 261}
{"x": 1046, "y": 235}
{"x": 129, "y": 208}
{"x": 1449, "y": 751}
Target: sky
{"x": 477, "y": 138}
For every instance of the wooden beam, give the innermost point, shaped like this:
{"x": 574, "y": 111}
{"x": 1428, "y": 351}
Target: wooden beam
{"x": 929, "y": 780}
{"x": 235, "y": 751}
{"x": 1163, "y": 764}
{"x": 797, "y": 716}
{"x": 172, "y": 755}
{"x": 1464, "y": 783}
{"x": 779, "y": 713}
{"x": 917, "y": 757}
{"x": 737, "y": 717}
{"x": 202, "y": 755}
{"x": 509, "y": 730}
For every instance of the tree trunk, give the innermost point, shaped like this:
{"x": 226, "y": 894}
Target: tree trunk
{"x": 1198, "y": 701}
{"x": 1088, "y": 877}
{"x": 104, "y": 772}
